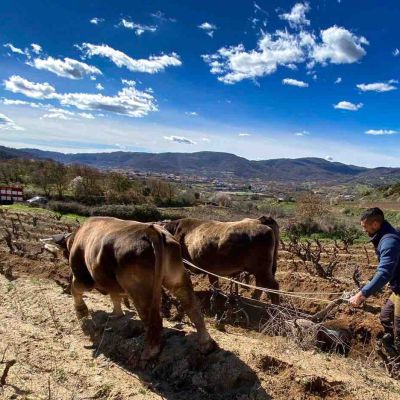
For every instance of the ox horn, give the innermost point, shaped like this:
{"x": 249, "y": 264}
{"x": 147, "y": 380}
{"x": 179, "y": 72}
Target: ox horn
{"x": 56, "y": 242}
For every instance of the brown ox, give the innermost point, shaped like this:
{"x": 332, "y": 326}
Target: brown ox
{"x": 228, "y": 248}
{"x": 119, "y": 257}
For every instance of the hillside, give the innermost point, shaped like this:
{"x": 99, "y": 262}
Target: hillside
{"x": 221, "y": 165}
{"x": 7, "y": 153}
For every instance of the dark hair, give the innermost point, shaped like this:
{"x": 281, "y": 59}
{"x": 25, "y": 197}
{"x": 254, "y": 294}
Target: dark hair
{"x": 373, "y": 214}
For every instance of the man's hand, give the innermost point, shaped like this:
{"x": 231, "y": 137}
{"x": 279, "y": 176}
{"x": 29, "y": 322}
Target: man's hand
{"x": 357, "y": 299}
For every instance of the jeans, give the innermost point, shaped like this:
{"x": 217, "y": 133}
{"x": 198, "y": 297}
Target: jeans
{"x": 390, "y": 315}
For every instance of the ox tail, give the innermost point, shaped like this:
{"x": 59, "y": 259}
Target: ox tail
{"x": 269, "y": 221}
{"x": 157, "y": 242}
{"x": 276, "y": 247}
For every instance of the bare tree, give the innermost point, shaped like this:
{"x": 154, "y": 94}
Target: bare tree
{"x": 310, "y": 206}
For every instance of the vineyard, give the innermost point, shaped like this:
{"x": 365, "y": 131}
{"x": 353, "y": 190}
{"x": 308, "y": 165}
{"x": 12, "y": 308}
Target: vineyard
{"x": 306, "y": 348}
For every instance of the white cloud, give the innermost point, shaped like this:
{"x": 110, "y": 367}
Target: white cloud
{"x": 17, "y": 84}
{"x": 14, "y": 49}
{"x": 381, "y": 132}
{"x": 336, "y": 45}
{"x": 99, "y": 86}
{"x": 10, "y": 102}
{"x": 192, "y": 113}
{"x": 96, "y": 20}
{"x": 297, "y": 16}
{"x": 86, "y": 115}
{"x": 61, "y": 110}
{"x": 8, "y": 124}
{"x": 205, "y": 139}
{"x": 161, "y": 16}
{"x": 302, "y": 133}
{"x": 396, "y": 52}
{"x": 339, "y": 46}
{"x": 67, "y": 68}
{"x": 338, "y": 80}
{"x": 138, "y": 28}
{"x": 294, "y": 82}
{"x": 36, "y": 48}
{"x": 377, "y": 87}
{"x": 329, "y": 158}
{"x": 346, "y": 105}
{"x": 128, "y": 82}
{"x": 257, "y": 8}
{"x": 243, "y": 134}
{"x": 151, "y": 65}
{"x": 208, "y": 28}
{"x": 56, "y": 115}
{"x": 179, "y": 139}
{"x": 128, "y": 101}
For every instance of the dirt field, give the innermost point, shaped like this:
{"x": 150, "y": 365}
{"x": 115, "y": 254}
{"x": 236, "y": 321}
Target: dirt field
{"x": 57, "y": 358}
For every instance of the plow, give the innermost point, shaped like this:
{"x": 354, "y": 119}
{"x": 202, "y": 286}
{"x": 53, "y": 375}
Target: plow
{"x": 308, "y": 330}
{"x": 230, "y": 307}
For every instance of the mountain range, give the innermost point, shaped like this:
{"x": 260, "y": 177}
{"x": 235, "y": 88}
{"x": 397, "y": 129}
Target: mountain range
{"x": 219, "y": 165}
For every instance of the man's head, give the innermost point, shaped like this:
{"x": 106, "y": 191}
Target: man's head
{"x": 371, "y": 220}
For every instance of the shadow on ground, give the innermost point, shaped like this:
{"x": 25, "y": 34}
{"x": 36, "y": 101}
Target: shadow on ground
{"x": 180, "y": 371}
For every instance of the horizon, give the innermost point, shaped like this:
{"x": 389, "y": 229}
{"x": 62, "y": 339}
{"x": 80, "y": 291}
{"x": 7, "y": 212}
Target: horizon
{"x": 263, "y": 80}
{"x": 194, "y": 152}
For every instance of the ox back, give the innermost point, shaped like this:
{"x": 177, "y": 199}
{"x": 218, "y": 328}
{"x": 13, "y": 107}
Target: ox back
{"x": 228, "y": 248}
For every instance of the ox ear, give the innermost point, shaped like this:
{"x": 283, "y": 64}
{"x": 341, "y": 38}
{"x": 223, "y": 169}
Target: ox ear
{"x": 266, "y": 220}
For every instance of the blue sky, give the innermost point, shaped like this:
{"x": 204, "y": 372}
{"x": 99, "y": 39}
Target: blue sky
{"x": 264, "y": 79}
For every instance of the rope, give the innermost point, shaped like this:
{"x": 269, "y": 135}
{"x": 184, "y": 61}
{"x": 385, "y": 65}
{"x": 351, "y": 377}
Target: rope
{"x": 300, "y": 295}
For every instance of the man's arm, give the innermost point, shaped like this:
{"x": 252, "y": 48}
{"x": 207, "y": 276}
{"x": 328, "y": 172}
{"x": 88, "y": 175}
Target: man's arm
{"x": 389, "y": 258}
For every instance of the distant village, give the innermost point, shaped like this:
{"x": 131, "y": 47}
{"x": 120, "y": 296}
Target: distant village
{"x": 281, "y": 191}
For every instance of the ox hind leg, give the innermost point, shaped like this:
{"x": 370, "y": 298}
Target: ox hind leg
{"x": 139, "y": 286}
{"x": 116, "y": 300}
{"x": 269, "y": 282}
{"x": 179, "y": 283}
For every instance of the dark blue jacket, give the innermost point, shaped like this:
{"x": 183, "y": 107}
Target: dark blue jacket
{"x": 387, "y": 247}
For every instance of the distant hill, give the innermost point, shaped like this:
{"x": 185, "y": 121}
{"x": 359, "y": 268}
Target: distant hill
{"x": 220, "y": 165}
{"x": 7, "y": 153}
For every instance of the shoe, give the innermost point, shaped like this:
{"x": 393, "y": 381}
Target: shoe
{"x": 396, "y": 344}
{"x": 388, "y": 344}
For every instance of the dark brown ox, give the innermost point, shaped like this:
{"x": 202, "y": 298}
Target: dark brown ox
{"x": 228, "y": 248}
{"x": 119, "y": 257}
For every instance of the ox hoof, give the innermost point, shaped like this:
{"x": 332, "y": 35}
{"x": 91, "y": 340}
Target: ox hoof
{"x": 88, "y": 327}
{"x": 82, "y": 312}
{"x": 149, "y": 354}
{"x": 208, "y": 347}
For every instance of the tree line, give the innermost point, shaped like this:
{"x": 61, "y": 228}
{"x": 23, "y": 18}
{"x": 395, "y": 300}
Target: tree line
{"x": 89, "y": 185}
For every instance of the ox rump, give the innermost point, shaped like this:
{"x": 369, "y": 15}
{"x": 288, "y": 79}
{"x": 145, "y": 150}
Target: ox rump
{"x": 127, "y": 257}
{"x": 229, "y": 248}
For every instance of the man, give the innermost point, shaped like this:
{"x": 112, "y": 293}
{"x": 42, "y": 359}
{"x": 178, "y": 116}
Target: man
{"x": 386, "y": 241}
